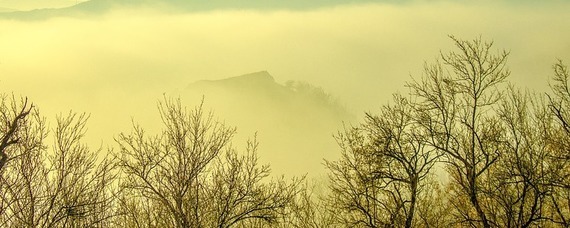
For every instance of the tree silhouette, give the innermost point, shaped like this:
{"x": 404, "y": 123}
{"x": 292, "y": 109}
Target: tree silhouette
{"x": 456, "y": 97}
{"x": 190, "y": 176}
{"x": 559, "y": 138}
{"x": 505, "y": 151}
{"x": 62, "y": 187}
{"x": 12, "y": 120}
{"x": 384, "y": 167}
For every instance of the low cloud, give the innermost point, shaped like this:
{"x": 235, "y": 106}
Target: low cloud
{"x": 117, "y": 65}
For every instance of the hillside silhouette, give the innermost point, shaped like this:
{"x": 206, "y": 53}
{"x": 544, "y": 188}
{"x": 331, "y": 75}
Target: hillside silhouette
{"x": 255, "y": 102}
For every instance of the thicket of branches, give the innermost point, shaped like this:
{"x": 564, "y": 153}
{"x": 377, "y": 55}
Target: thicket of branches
{"x": 464, "y": 148}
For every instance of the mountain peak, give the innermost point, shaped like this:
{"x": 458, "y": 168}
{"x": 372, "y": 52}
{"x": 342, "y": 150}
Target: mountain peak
{"x": 260, "y": 77}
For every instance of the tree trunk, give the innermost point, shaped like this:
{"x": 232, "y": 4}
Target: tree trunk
{"x": 413, "y": 192}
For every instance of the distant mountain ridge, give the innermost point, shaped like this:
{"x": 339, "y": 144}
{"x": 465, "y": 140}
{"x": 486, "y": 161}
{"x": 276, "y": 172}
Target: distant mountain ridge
{"x": 294, "y": 119}
{"x": 259, "y": 78}
{"x": 94, "y": 7}
{"x": 252, "y": 86}
{"x": 261, "y": 86}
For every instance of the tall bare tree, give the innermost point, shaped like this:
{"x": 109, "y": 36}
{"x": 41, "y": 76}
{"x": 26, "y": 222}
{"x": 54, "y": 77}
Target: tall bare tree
{"x": 521, "y": 180}
{"x": 166, "y": 168}
{"x": 384, "y": 167}
{"x": 354, "y": 192}
{"x": 190, "y": 176}
{"x": 63, "y": 187}
{"x": 457, "y": 98}
{"x": 559, "y": 104}
{"x": 239, "y": 194}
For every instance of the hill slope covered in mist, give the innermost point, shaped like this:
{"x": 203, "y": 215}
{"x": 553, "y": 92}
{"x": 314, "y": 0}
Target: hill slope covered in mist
{"x": 294, "y": 121}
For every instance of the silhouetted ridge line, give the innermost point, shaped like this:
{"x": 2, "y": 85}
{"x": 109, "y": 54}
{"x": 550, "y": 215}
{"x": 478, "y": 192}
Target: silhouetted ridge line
{"x": 261, "y": 78}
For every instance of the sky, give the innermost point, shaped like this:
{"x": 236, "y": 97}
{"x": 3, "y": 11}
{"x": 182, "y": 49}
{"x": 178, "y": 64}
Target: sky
{"x": 118, "y": 63}
{"x": 36, "y": 4}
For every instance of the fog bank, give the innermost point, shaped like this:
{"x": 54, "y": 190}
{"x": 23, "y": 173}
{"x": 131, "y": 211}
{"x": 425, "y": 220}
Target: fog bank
{"x": 118, "y": 64}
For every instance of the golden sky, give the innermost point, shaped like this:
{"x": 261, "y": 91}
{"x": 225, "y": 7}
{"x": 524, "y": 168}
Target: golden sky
{"x": 36, "y": 4}
{"x": 116, "y": 64}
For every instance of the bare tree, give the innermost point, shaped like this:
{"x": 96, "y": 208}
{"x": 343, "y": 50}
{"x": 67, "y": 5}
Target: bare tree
{"x": 354, "y": 194}
{"x": 383, "y": 168}
{"x": 82, "y": 191}
{"x": 12, "y": 120}
{"x": 521, "y": 181}
{"x": 63, "y": 187}
{"x": 456, "y": 94}
{"x": 434, "y": 207}
{"x": 402, "y": 146}
{"x": 238, "y": 193}
{"x": 166, "y": 168}
{"x": 559, "y": 138}
{"x": 310, "y": 208}
{"x": 190, "y": 176}
{"x": 23, "y": 178}
{"x": 559, "y": 101}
